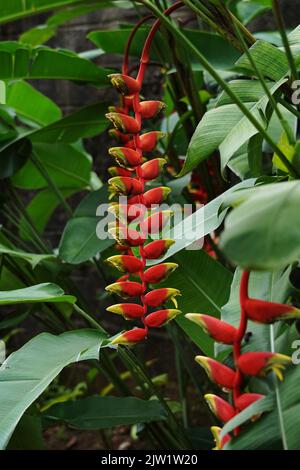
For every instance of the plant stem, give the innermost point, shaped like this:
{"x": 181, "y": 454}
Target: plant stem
{"x": 278, "y": 399}
{"x": 281, "y": 26}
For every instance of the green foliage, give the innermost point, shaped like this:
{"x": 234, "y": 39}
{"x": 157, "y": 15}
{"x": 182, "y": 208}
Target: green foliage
{"x": 26, "y": 374}
{"x": 106, "y": 412}
{"x": 232, "y": 130}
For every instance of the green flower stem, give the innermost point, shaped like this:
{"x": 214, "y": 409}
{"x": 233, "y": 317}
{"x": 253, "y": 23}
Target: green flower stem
{"x": 278, "y": 398}
{"x": 204, "y": 62}
{"x": 281, "y": 26}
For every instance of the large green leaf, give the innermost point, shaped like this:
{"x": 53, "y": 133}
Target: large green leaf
{"x": 30, "y": 103}
{"x": 15, "y": 9}
{"x": 205, "y": 286}
{"x": 106, "y": 412}
{"x": 79, "y": 241}
{"x": 264, "y": 231}
{"x": 269, "y": 60}
{"x": 33, "y": 258}
{"x": 202, "y": 222}
{"x": 225, "y": 127}
{"x": 39, "y": 293}
{"x": 42, "y": 33}
{"x": 213, "y": 47}
{"x": 27, "y": 372}
{"x": 20, "y": 61}
{"x": 66, "y": 165}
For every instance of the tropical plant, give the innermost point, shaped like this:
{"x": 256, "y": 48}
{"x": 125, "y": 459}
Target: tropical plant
{"x": 221, "y": 137}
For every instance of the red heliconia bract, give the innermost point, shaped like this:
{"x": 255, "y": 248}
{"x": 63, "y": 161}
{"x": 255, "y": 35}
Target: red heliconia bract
{"x": 125, "y": 84}
{"x": 217, "y": 372}
{"x": 268, "y": 312}
{"x": 118, "y": 171}
{"x": 219, "y": 330}
{"x": 156, "y": 196}
{"x": 126, "y": 263}
{"x": 156, "y": 222}
{"x": 125, "y": 157}
{"x": 151, "y": 169}
{"x": 128, "y": 236}
{"x": 158, "y": 297}
{"x": 149, "y": 109}
{"x": 126, "y": 185}
{"x": 129, "y": 311}
{"x": 221, "y": 408}
{"x": 157, "y": 249}
{"x": 159, "y": 272}
{"x": 126, "y": 289}
{"x": 260, "y": 363}
{"x": 161, "y": 317}
{"x": 131, "y": 337}
{"x": 123, "y": 123}
{"x": 148, "y": 141}
{"x": 247, "y": 399}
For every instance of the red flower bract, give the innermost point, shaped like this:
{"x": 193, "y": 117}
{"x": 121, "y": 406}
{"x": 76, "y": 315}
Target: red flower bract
{"x": 267, "y": 312}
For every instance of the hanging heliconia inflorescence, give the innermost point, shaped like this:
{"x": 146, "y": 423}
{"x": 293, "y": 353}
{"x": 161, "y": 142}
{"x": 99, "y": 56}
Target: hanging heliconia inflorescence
{"x": 129, "y": 180}
{"x": 255, "y": 364}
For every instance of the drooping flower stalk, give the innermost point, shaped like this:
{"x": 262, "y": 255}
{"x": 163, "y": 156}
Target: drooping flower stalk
{"x": 258, "y": 363}
{"x": 129, "y": 179}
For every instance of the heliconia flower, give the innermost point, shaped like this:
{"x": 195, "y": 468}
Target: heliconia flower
{"x": 151, "y": 169}
{"x": 129, "y": 311}
{"x": 118, "y": 136}
{"x": 126, "y": 263}
{"x": 131, "y": 337}
{"x": 219, "y": 330}
{"x": 261, "y": 363}
{"x": 126, "y": 289}
{"x": 158, "y": 297}
{"x": 246, "y": 399}
{"x": 124, "y": 123}
{"x": 217, "y": 372}
{"x": 267, "y": 312}
{"x": 161, "y": 317}
{"x": 156, "y": 195}
{"x": 123, "y": 278}
{"x": 159, "y": 273}
{"x": 117, "y": 171}
{"x": 126, "y": 185}
{"x": 220, "y": 442}
{"x": 124, "y": 84}
{"x": 158, "y": 248}
{"x": 126, "y": 157}
{"x": 148, "y": 141}
{"x": 156, "y": 222}
{"x": 127, "y": 212}
{"x": 221, "y": 408}
{"x": 127, "y": 235}
{"x": 150, "y": 109}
